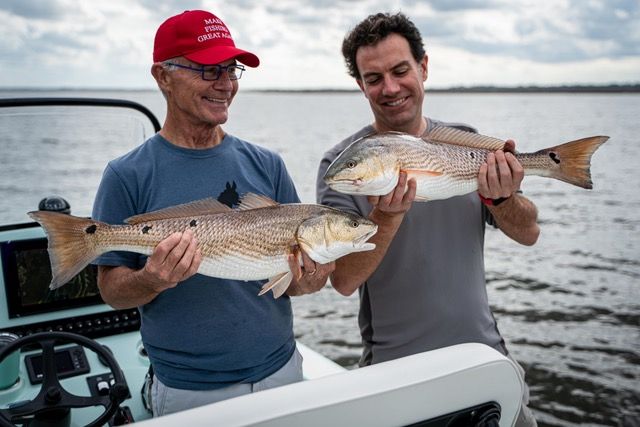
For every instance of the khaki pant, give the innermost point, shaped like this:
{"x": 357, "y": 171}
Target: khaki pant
{"x": 167, "y": 400}
{"x": 525, "y": 416}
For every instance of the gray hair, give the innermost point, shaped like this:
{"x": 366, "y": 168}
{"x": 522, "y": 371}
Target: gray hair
{"x": 167, "y": 64}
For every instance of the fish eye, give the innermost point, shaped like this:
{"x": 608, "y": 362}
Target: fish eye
{"x": 351, "y": 164}
{"x": 355, "y": 224}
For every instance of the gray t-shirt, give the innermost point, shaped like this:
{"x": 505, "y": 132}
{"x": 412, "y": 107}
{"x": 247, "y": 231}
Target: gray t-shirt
{"x": 429, "y": 290}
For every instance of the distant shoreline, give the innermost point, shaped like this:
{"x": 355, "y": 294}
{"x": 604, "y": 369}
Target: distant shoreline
{"x": 614, "y": 88}
{"x": 629, "y": 88}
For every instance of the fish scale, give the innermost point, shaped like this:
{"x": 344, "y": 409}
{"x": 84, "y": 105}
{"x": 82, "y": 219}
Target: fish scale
{"x": 459, "y": 162}
{"x": 219, "y": 234}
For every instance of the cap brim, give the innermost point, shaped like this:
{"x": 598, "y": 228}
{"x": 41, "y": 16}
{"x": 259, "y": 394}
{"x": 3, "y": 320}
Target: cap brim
{"x": 218, "y": 54}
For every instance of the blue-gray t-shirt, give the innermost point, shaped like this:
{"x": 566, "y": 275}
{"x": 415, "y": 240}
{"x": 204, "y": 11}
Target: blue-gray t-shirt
{"x": 205, "y": 333}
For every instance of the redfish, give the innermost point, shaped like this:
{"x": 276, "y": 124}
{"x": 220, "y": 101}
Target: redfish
{"x": 251, "y": 242}
{"x": 446, "y": 161}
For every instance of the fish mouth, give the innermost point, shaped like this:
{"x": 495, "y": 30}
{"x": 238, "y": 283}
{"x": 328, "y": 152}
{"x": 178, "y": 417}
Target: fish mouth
{"x": 362, "y": 240}
{"x": 351, "y": 181}
{"x": 375, "y": 187}
{"x": 344, "y": 184}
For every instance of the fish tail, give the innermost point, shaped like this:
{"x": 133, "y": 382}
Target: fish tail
{"x": 571, "y": 162}
{"x": 72, "y": 243}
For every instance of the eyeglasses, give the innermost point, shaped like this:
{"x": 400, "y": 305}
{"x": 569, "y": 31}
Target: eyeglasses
{"x": 213, "y": 72}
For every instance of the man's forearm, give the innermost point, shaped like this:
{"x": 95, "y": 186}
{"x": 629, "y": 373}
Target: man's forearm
{"x": 354, "y": 269}
{"x": 123, "y": 287}
{"x": 517, "y": 217}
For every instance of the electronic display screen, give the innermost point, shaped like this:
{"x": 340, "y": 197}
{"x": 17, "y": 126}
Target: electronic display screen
{"x": 27, "y": 274}
{"x": 69, "y": 362}
{"x": 64, "y": 364}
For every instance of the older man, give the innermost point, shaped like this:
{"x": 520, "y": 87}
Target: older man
{"x": 208, "y": 339}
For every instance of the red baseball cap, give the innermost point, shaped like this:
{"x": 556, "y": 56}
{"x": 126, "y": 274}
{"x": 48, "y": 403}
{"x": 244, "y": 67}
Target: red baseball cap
{"x": 199, "y": 36}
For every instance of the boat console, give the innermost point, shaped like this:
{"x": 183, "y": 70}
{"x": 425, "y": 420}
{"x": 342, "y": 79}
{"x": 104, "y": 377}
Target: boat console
{"x": 28, "y": 308}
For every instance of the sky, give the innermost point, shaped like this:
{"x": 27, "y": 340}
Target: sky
{"x": 108, "y": 44}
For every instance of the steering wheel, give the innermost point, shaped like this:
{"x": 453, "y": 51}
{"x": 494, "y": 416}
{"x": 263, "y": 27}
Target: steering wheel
{"x": 52, "y": 396}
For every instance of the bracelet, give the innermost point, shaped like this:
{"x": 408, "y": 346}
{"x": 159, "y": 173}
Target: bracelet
{"x": 492, "y": 202}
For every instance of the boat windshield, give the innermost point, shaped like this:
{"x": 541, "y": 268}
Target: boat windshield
{"x": 61, "y": 150}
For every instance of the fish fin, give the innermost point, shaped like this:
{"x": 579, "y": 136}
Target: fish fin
{"x": 200, "y": 207}
{"x": 453, "y": 136}
{"x": 71, "y": 244}
{"x": 573, "y": 160}
{"x": 278, "y": 284}
{"x": 418, "y": 172}
{"x": 254, "y": 201}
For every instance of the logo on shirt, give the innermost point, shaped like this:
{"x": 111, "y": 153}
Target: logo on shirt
{"x": 230, "y": 196}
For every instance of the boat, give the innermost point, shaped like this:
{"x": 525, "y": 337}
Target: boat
{"x": 68, "y": 359}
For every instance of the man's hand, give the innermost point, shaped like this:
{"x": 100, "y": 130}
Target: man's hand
{"x": 175, "y": 259}
{"x": 309, "y": 277}
{"x": 501, "y": 175}
{"x": 388, "y": 213}
{"x": 399, "y": 200}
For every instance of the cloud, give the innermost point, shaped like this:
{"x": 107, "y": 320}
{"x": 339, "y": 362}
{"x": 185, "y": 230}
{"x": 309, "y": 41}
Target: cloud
{"x": 35, "y": 9}
{"x": 460, "y": 5}
{"x": 558, "y": 33}
{"x": 109, "y": 44}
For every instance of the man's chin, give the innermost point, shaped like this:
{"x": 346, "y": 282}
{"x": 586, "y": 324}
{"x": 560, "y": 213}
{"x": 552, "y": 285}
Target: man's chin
{"x": 397, "y": 120}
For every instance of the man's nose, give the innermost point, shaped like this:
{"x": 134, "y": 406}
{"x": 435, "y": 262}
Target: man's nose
{"x": 390, "y": 85}
{"x": 223, "y": 82}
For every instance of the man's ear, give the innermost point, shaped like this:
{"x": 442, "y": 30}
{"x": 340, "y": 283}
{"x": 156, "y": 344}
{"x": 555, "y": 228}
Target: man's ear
{"x": 424, "y": 65}
{"x": 160, "y": 74}
{"x": 361, "y": 86}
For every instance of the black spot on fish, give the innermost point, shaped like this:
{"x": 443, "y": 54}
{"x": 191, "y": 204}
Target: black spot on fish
{"x": 193, "y": 223}
{"x": 146, "y": 229}
{"x": 473, "y": 155}
{"x": 91, "y": 229}
{"x": 554, "y": 157}
{"x": 230, "y": 196}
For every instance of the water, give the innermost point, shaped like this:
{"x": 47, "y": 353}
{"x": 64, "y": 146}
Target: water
{"x": 568, "y": 307}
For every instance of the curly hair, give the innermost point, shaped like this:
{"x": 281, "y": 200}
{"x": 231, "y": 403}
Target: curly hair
{"x": 375, "y": 28}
